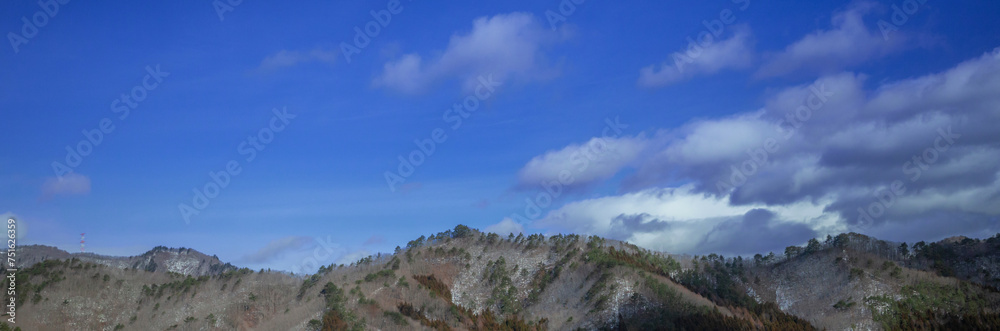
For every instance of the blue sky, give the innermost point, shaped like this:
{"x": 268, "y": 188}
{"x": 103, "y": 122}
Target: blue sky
{"x": 688, "y": 114}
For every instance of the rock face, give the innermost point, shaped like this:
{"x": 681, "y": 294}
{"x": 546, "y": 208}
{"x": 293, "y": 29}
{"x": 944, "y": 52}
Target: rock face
{"x": 183, "y": 261}
{"x": 464, "y": 279}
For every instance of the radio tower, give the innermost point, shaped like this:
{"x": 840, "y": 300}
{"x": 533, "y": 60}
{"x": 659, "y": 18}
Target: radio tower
{"x": 81, "y": 243}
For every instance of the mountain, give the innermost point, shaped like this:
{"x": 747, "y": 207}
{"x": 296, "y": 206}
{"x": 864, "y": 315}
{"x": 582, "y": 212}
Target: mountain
{"x": 466, "y": 279}
{"x": 184, "y": 261}
{"x": 856, "y": 282}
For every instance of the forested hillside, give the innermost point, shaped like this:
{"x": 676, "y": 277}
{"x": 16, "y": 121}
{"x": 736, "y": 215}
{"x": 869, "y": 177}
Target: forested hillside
{"x": 466, "y": 279}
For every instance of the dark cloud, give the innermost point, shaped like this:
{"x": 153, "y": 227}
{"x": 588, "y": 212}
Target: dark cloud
{"x": 914, "y": 159}
{"x": 625, "y": 226}
{"x": 935, "y": 134}
{"x": 758, "y": 231}
{"x": 936, "y": 226}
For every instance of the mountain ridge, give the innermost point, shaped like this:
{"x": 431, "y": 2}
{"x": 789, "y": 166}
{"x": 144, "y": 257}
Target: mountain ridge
{"x": 465, "y": 279}
{"x": 181, "y": 260}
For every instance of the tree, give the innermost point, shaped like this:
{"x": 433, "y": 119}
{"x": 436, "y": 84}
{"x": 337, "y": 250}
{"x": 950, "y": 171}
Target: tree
{"x": 461, "y": 231}
{"x": 903, "y": 249}
{"x": 841, "y": 240}
{"x": 334, "y": 296}
{"x": 416, "y": 243}
{"x": 813, "y": 246}
{"x": 792, "y": 251}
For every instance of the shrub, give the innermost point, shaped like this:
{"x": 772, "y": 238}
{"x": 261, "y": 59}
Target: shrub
{"x": 856, "y": 273}
{"x": 314, "y": 325}
{"x": 383, "y": 273}
{"x": 396, "y": 317}
{"x": 844, "y": 305}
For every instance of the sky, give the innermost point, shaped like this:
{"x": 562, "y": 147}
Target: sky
{"x": 289, "y": 136}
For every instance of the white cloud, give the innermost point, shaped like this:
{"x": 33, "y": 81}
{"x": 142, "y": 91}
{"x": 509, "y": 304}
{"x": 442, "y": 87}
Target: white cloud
{"x": 505, "y": 227}
{"x": 286, "y": 58}
{"x": 860, "y": 142}
{"x": 593, "y": 161}
{"x": 849, "y": 42}
{"x": 838, "y": 145}
{"x": 724, "y": 139}
{"x": 733, "y": 53}
{"x": 506, "y": 46}
{"x": 69, "y": 184}
{"x": 681, "y": 220}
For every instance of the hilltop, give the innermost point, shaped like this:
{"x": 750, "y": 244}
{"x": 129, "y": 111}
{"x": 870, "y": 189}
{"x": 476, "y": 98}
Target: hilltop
{"x": 184, "y": 261}
{"x": 465, "y": 279}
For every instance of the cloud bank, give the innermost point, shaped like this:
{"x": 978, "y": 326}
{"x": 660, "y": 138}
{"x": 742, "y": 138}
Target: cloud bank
{"x": 913, "y": 159}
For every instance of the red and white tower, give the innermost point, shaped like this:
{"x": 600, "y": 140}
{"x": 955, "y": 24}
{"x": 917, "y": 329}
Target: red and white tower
{"x": 81, "y": 243}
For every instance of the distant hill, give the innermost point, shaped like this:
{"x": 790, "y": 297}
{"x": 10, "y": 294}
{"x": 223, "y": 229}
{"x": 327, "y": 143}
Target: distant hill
{"x": 185, "y": 261}
{"x": 465, "y": 279}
